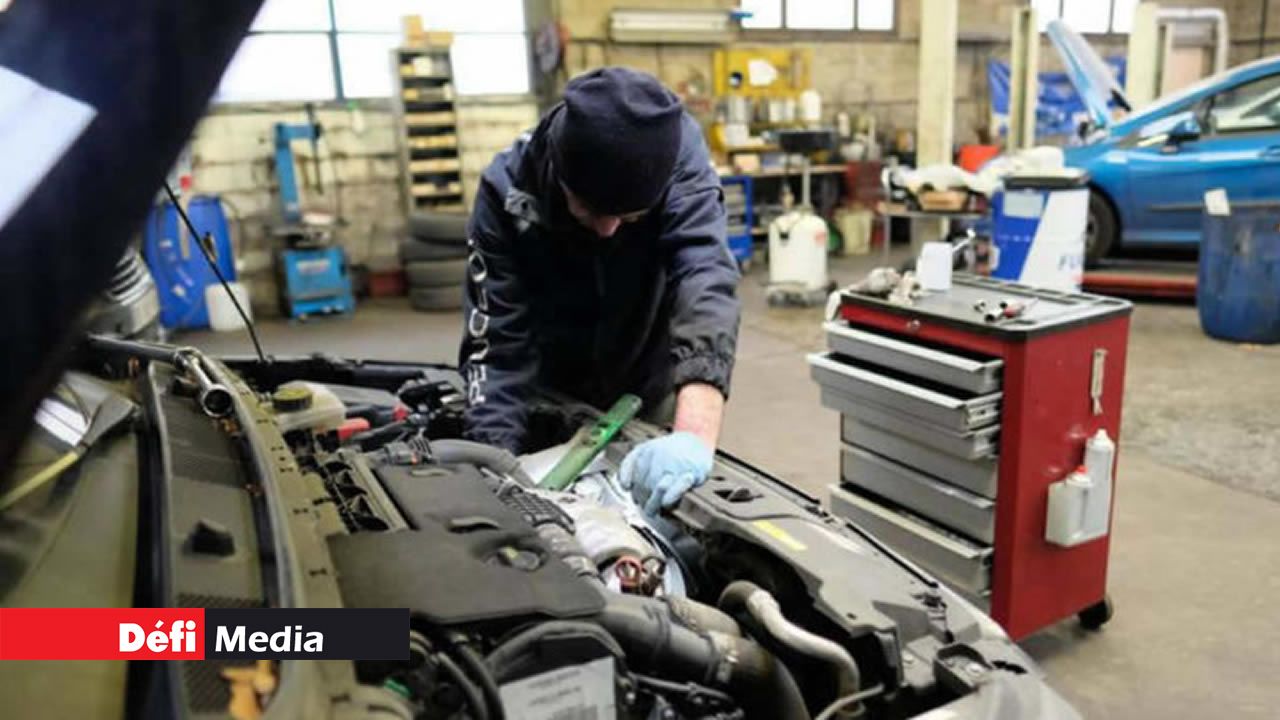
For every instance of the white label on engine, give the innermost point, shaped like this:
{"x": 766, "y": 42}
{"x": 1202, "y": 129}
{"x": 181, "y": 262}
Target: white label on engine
{"x": 581, "y": 692}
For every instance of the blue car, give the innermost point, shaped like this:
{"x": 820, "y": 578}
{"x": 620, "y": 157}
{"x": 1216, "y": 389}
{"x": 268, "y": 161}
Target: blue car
{"x": 1149, "y": 171}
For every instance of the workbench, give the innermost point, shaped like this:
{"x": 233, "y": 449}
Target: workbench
{"x": 889, "y": 214}
{"x": 954, "y": 428}
{"x": 776, "y": 172}
{"x": 826, "y": 189}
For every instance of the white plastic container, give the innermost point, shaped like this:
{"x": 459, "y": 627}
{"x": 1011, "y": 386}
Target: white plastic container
{"x": 798, "y": 251}
{"x": 1099, "y": 462}
{"x": 933, "y": 267}
{"x": 810, "y": 108}
{"x": 1080, "y": 505}
{"x": 856, "y": 227}
{"x": 326, "y": 411}
{"x": 222, "y": 314}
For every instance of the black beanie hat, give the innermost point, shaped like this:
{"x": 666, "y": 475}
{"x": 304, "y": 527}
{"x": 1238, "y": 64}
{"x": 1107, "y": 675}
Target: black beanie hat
{"x": 615, "y": 139}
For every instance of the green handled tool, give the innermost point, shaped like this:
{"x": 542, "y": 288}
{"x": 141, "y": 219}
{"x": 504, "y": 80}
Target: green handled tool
{"x": 588, "y": 442}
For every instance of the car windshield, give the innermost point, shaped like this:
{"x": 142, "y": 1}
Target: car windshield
{"x": 1179, "y": 97}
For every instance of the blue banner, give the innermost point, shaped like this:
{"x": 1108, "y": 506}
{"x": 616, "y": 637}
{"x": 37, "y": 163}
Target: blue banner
{"x": 1059, "y": 110}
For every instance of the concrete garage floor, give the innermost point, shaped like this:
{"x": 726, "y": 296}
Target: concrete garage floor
{"x": 1195, "y": 569}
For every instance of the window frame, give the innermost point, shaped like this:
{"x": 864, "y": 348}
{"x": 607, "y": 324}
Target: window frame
{"x": 1111, "y": 20}
{"x": 332, "y": 34}
{"x": 785, "y": 33}
{"x": 1208, "y": 104}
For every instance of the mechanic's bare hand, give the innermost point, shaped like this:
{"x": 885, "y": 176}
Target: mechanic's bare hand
{"x": 660, "y": 471}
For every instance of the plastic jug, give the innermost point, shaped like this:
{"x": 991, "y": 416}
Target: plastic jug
{"x": 1080, "y": 505}
{"x": 933, "y": 267}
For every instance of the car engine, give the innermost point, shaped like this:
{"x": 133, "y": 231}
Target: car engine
{"x": 746, "y": 600}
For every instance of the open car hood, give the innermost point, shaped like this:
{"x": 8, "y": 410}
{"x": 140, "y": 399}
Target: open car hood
{"x": 85, "y": 147}
{"x": 1088, "y": 73}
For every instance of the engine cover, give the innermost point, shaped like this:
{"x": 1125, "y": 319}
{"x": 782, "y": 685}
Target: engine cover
{"x": 469, "y": 557}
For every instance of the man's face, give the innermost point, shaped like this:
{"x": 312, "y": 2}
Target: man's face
{"x": 602, "y": 225}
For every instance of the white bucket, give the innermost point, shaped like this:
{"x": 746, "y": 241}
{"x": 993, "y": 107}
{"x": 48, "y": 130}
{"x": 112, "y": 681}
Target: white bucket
{"x": 222, "y": 313}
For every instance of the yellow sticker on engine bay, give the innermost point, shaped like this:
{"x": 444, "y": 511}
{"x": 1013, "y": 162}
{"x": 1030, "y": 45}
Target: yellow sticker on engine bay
{"x": 768, "y": 527}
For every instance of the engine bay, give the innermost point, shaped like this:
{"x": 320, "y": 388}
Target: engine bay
{"x": 334, "y": 483}
{"x": 747, "y": 600}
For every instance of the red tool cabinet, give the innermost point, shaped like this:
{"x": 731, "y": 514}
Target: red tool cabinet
{"x": 954, "y": 428}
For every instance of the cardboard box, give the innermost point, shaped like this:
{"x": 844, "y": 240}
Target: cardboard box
{"x": 415, "y": 35}
{"x": 944, "y": 200}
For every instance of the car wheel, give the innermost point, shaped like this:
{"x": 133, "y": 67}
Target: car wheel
{"x": 436, "y": 298}
{"x": 414, "y": 250}
{"x": 1100, "y": 231}
{"x": 439, "y": 228}
{"x": 435, "y": 274}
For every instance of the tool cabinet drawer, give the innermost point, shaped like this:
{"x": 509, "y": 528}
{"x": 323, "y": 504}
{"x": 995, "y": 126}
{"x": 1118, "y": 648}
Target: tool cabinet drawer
{"x": 978, "y": 376}
{"x": 946, "y": 504}
{"x": 955, "y": 410}
{"x": 979, "y": 443}
{"x": 957, "y": 561}
{"x": 978, "y": 475}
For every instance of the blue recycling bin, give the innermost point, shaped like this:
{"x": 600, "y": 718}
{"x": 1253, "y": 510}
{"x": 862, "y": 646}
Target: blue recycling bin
{"x": 1238, "y": 283}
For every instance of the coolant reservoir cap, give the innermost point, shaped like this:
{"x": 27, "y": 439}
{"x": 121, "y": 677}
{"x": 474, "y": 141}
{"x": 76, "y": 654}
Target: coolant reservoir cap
{"x": 291, "y": 399}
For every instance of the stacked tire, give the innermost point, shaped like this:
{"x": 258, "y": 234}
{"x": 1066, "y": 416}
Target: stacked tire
{"x": 435, "y": 260}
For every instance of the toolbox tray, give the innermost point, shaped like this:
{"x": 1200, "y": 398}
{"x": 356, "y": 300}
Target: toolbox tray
{"x": 955, "y": 410}
{"x": 961, "y": 563}
{"x": 979, "y": 475}
{"x": 948, "y": 505}
{"x": 978, "y": 376}
{"x": 973, "y": 444}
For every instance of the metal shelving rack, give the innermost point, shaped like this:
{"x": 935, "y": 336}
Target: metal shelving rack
{"x": 740, "y": 208}
{"x": 427, "y": 128}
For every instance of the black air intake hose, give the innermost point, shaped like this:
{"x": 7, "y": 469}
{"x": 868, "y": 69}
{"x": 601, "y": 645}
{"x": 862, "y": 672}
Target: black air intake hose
{"x": 689, "y": 641}
{"x": 654, "y": 640}
{"x": 700, "y": 616}
{"x": 553, "y": 641}
{"x": 487, "y": 456}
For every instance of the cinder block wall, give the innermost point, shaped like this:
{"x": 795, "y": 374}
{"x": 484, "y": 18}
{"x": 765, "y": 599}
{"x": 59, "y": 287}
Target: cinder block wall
{"x": 874, "y": 72}
{"x": 1250, "y": 40}
{"x": 233, "y": 156}
{"x": 857, "y": 72}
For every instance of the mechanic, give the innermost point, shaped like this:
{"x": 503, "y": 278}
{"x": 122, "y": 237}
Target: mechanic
{"x": 599, "y": 267}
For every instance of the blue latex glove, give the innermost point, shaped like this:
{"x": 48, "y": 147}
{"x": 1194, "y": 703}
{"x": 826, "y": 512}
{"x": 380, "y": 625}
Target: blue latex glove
{"x": 659, "y": 471}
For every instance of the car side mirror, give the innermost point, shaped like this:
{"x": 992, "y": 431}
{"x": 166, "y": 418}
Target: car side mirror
{"x": 1186, "y": 129}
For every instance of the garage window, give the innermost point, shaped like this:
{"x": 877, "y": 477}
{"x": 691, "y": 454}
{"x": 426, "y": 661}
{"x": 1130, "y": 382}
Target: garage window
{"x": 874, "y": 15}
{"x": 1096, "y": 17}
{"x": 326, "y": 50}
